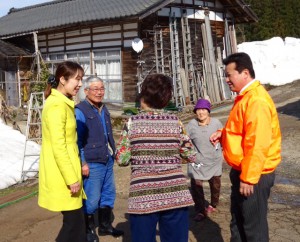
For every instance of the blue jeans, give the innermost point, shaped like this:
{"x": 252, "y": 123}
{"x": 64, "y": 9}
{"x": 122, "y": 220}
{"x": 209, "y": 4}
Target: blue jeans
{"x": 173, "y": 226}
{"x": 99, "y": 186}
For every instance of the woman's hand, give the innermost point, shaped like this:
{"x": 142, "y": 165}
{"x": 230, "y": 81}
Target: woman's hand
{"x": 215, "y": 138}
{"x": 75, "y": 187}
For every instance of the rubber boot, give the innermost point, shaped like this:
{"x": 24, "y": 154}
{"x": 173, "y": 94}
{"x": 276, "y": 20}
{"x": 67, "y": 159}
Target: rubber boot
{"x": 91, "y": 235}
{"x": 105, "y": 223}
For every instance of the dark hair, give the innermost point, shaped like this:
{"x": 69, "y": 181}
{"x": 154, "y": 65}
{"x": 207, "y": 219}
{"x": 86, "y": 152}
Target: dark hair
{"x": 156, "y": 90}
{"x": 242, "y": 61}
{"x": 66, "y": 69}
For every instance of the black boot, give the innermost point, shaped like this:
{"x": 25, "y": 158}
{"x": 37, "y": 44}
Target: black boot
{"x": 105, "y": 223}
{"x": 91, "y": 235}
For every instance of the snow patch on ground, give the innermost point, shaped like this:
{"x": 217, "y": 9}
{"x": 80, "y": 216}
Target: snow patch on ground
{"x": 12, "y": 145}
{"x": 276, "y": 61}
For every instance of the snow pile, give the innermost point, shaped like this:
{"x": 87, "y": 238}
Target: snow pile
{"x": 276, "y": 61}
{"x": 12, "y": 144}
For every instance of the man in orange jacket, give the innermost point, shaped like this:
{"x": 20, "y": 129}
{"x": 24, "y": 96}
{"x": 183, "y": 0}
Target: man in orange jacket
{"x": 251, "y": 142}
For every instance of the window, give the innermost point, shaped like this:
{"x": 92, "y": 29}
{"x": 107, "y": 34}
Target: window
{"x": 108, "y": 67}
{"x": 53, "y": 59}
{"x": 106, "y": 63}
{"x": 83, "y": 58}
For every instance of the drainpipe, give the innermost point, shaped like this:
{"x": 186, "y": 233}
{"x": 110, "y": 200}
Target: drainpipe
{"x": 19, "y": 83}
{"x": 36, "y": 48}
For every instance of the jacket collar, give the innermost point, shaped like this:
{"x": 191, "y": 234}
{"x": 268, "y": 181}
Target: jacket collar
{"x": 253, "y": 85}
{"x": 62, "y": 97}
{"x": 99, "y": 108}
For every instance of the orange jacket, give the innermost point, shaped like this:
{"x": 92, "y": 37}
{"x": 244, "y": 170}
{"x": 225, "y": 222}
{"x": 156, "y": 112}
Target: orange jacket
{"x": 251, "y": 138}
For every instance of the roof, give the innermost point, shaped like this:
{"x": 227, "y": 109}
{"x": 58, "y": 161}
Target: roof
{"x": 10, "y": 50}
{"x": 63, "y": 13}
{"x": 240, "y": 10}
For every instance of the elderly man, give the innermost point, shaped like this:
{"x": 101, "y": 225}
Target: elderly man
{"x": 97, "y": 148}
{"x": 251, "y": 141}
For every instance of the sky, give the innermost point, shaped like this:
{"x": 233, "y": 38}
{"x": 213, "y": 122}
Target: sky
{"x": 6, "y": 5}
{"x": 276, "y": 62}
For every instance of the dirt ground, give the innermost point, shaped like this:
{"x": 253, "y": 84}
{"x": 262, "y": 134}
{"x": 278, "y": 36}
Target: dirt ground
{"x": 24, "y": 221}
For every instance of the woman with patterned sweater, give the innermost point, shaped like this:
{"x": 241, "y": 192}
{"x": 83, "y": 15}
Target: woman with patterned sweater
{"x": 155, "y": 144}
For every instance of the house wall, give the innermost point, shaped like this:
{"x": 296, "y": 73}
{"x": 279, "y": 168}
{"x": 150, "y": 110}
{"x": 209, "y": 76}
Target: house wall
{"x": 14, "y": 86}
{"x": 129, "y": 62}
{"x": 88, "y": 37}
{"x": 120, "y": 35}
{"x": 86, "y": 41}
{"x": 58, "y": 45}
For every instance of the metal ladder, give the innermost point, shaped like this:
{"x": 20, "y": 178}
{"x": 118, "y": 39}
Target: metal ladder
{"x": 188, "y": 60}
{"x": 178, "y": 91}
{"x": 159, "y": 51}
{"x": 33, "y": 127}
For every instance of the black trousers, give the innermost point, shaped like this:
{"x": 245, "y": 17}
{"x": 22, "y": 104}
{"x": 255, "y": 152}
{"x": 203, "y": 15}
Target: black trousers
{"x": 198, "y": 193}
{"x": 249, "y": 214}
{"x": 73, "y": 228}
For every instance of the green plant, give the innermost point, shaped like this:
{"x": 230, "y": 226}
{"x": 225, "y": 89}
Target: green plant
{"x": 171, "y": 107}
{"x": 40, "y": 85}
{"x": 130, "y": 111}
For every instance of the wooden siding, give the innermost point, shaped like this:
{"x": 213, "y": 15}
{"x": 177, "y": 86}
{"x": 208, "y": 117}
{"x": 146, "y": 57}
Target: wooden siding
{"x": 114, "y": 35}
{"x": 129, "y": 65}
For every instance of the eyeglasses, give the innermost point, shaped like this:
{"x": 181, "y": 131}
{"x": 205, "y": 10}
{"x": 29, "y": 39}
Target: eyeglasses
{"x": 97, "y": 89}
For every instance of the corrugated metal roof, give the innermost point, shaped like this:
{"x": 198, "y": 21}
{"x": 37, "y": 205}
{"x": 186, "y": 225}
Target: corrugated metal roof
{"x": 61, "y": 13}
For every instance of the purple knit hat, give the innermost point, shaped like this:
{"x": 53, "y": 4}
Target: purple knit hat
{"x": 202, "y": 103}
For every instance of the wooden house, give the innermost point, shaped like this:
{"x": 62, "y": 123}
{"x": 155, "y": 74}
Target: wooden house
{"x": 12, "y": 81}
{"x": 123, "y": 41}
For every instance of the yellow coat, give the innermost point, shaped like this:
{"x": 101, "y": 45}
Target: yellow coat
{"x": 251, "y": 138}
{"x": 59, "y": 158}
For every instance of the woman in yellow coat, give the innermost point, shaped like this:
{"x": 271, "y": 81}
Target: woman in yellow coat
{"x": 60, "y": 180}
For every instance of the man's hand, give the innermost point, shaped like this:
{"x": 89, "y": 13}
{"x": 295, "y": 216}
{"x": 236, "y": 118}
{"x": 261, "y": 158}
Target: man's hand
{"x": 215, "y": 137}
{"x": 85, "y": 170}
{"x": 246, "y": 189}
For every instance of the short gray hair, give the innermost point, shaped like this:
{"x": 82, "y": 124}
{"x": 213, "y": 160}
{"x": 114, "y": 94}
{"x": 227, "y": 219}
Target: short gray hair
{"x": 89, "y": 80}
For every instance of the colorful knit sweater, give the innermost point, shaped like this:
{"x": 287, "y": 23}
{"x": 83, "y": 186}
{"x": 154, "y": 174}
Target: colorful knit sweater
{"x": 155, "y": 144}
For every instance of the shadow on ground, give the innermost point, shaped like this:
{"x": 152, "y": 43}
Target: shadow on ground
{"x": 291, "y": 109}
{"x": 210, "y": 230}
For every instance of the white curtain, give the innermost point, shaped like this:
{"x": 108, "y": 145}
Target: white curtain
{"x": 86, "y": 67}
{"x": 109, "y": 69}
